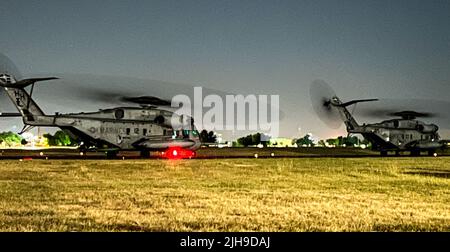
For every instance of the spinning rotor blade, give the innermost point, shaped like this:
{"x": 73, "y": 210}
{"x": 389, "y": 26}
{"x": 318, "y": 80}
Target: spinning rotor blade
{"x": 426, "y": 109}
{"x": 88, "y": 91}
{"x": 396, "y": 113}
{"x": 321, "y": 94}
{"x": 147, "y": 100}
{"x": 125, "y": 97}
{"x": 8, "y": 67}
{"x": 421, "y": 108}
{"x": 412, "y": 114}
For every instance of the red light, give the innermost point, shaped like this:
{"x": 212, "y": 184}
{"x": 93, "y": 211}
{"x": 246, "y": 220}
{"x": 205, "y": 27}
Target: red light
{"x": 177, "y": 153}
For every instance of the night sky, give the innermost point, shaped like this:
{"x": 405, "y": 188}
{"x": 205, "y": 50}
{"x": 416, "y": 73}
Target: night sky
{"x": 364, "y": 49}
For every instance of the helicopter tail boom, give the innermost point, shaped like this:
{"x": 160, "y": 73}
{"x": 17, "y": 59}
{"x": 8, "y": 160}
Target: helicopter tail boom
{"x": 347, "y": 117}
{"x": 24, "y": 103}
{"x": 330, "y": 109}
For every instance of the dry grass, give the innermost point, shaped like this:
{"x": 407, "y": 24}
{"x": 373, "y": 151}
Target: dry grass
{"x": 317, "y": 194}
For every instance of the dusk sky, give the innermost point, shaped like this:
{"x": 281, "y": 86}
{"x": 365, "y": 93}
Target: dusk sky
{"x": 364, "y": 49}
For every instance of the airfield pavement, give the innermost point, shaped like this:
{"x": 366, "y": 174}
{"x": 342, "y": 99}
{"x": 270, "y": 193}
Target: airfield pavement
{"x": 226, "y": 194}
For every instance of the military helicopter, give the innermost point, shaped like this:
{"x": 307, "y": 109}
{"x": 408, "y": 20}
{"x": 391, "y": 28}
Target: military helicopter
{"x": 404, "y": 133}
{"x": 146, "y": 128}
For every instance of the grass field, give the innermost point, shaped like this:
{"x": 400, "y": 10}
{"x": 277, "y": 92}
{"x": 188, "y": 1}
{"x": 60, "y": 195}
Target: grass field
{"x": 307, "y": 194}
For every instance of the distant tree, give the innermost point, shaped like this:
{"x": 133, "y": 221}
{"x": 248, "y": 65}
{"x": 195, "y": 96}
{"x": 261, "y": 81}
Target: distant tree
{"x": 343, "y": 141}
{"x": 351, "y": 141}
{"x": 340, "y": 140}
{"x": 50, "y": 139}
{"x": 61, "y": 138}
{"x": 332, "y": 141}
{"x": 245, "y": 141}
{"x": 207, "y": 137}
{"x": 306, "y": 140}
{"x": 10, "y": 138}
{"x": 252, "y": 139}
{"x": 203, "y": 136}
{"x": 256, "y": 139}
{"x": 212, "y": 138}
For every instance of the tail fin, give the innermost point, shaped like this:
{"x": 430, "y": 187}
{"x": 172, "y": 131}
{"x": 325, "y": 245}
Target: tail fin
{"x": 329, "y": 107}
{"x": 349, "y": 120}
{"x": 22, "y": 83}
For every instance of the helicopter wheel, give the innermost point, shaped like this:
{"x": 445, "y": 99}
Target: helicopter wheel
{"x": 383, "y": 153}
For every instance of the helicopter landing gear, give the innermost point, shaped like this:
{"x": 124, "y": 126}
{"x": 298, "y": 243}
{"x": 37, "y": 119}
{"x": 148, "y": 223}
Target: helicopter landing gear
{"x": 83, "y": 153}
{"x": 383, "y": 153}
{"x": 82, "y": 149}
{"x": 145, "y": 154}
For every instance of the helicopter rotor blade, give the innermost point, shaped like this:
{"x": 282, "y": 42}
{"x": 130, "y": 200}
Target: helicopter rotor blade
{"x": 8, "y": 67}
{"x": 321, "y": 94}
{"x": 394, "y": 108}
{"x": 89, "y": 90}
{"x": 423, "y": 108}
{"x": 101, "y": 95}
{"x": 146, "y": 100}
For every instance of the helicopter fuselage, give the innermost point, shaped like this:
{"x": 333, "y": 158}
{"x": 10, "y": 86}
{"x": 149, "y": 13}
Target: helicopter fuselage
{"x": 400, "y": 134}
{"x": 142, "y": 128}
{"x": 126, "y": 128}
{"x": 403, "y": 134}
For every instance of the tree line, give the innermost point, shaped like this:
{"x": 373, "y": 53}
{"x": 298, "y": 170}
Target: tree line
{"x": 60, "y": 138}
{"x": 339, "y": 141}
{"x": 305, "y": 141}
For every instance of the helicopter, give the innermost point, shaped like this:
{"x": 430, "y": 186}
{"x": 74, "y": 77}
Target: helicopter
{"x": 144, "y": 128}
{"x": 402, "y": 133}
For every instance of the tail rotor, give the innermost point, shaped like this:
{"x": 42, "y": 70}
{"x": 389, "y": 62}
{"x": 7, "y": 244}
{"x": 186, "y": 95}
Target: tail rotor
{"x": 321, "y": 94}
